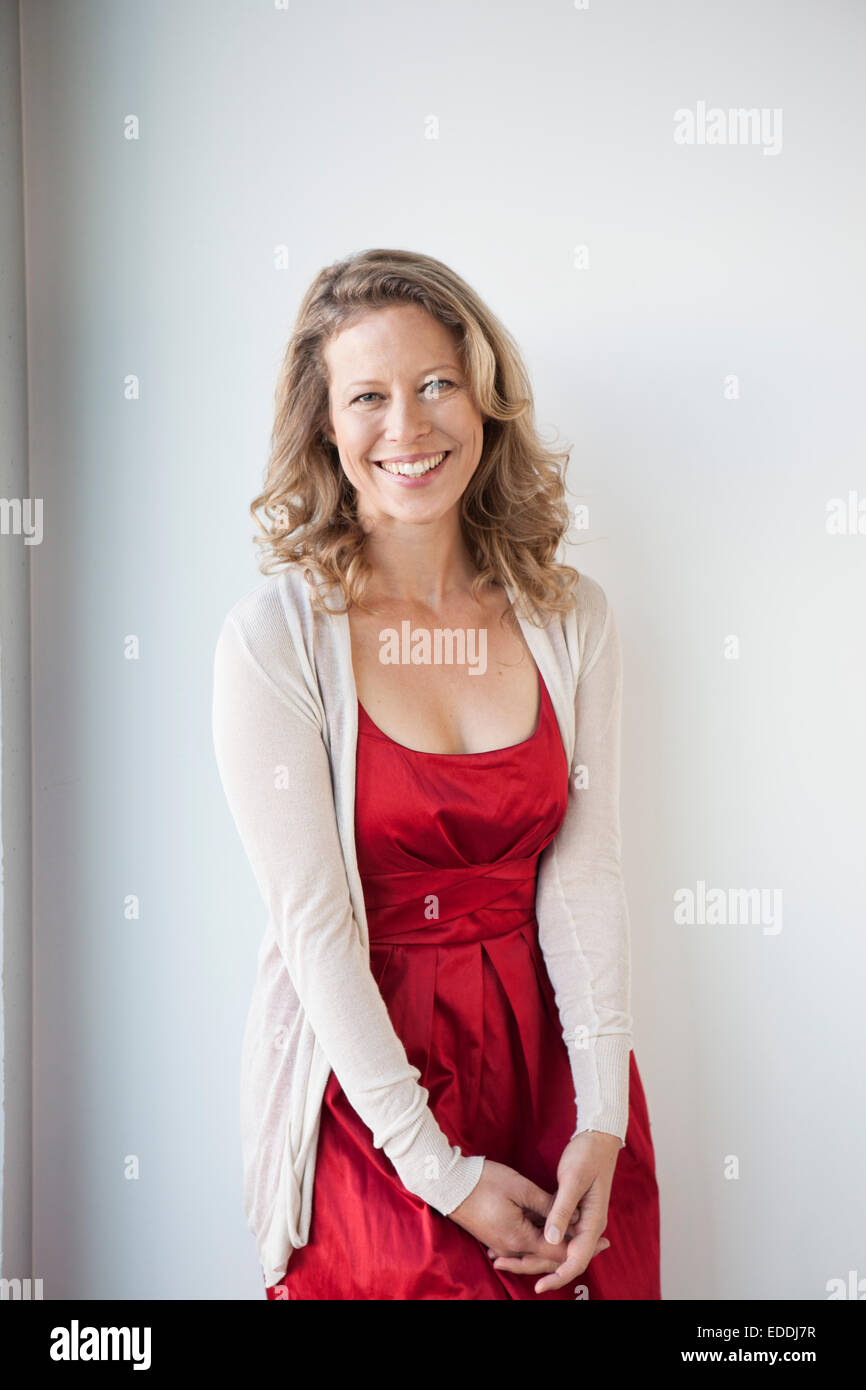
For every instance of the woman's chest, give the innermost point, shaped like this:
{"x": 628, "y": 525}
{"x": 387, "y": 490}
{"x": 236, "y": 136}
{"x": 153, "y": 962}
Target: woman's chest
{"x": 466, "y": 683}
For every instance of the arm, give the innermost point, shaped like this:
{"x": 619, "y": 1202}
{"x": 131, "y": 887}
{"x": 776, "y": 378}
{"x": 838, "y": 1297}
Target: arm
{"x": 583, "y": 917}
{"x": 276, "y": 774}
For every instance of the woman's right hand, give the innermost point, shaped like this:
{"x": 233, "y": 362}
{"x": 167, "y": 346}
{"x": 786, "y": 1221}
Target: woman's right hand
{"x": 507, "y": 1213}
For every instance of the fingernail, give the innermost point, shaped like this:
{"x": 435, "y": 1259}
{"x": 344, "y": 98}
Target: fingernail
{"x": 553, "y": 1234}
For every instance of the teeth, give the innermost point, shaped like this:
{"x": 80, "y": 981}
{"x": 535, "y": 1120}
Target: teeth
{"x": 414, "y": 470}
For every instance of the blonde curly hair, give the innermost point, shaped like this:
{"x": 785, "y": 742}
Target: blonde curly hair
{"x": 513, "y": 511}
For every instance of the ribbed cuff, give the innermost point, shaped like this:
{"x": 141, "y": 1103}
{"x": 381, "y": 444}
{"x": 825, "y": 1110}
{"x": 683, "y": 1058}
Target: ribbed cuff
{"x": 601, "y": 1072}
{"x": 462, "y": 1180}
{"x": 435, "y": 1170}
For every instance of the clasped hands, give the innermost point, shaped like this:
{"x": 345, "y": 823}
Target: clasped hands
{"x": 528, "y": 1231}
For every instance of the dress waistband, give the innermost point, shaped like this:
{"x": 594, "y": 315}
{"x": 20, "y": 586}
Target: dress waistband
{"x": 437, "y": 906}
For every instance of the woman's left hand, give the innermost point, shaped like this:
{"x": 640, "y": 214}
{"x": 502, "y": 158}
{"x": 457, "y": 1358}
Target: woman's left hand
{"x": 584, "y": 1178}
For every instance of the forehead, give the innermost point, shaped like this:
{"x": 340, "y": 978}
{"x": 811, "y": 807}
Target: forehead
{"x": 401, "y": 337}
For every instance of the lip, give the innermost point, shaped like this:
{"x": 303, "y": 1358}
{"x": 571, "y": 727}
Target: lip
{"x": 425, "y": 478}
{"x": 414, "y": 458}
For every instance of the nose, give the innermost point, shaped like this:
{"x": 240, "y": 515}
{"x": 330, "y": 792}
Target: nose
{"x": 405, "y": 418}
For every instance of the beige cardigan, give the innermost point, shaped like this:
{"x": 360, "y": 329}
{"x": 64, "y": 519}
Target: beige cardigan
{"x": 285, "y": 727}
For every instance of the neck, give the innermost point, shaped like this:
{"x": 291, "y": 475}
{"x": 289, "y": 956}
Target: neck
{"x": 420, "y": 565}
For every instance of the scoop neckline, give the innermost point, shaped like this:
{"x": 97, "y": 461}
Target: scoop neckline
{"x": 485, "y": 752}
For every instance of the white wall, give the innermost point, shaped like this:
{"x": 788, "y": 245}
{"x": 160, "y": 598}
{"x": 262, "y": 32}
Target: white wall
{"x": 305, "y": 127}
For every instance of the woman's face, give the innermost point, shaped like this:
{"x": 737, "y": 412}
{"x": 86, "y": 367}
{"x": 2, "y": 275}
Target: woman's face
{"x": 397, "y": 393}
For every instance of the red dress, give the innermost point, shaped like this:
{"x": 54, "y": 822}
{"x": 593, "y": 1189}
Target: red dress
{"x": 469, "y": 996}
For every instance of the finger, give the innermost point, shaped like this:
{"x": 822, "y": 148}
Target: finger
{"x": 573, "y": 1265}
{"x": 541, "y": 1221}
{"x": 532, "y": 1264}
{"x": 546, "y": 1250}
{"x": 561, "y": 1211}
{"x": 592, "y": 1211}
{"x": 533, "y": 1198}
{"x": 526, "y": 1264}
{"x": 531, "y": 1240}
{"x": 572, "y": 1229}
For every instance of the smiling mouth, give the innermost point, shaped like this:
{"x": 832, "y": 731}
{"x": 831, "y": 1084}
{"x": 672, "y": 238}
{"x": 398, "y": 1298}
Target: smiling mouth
{"x": 413, "y": 470}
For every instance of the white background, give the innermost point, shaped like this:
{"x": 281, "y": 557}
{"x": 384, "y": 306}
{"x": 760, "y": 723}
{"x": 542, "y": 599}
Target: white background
{"x": 305, "y": 128}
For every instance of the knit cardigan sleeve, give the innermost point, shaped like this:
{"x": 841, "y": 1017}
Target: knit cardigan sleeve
{"x": 583, "y": 916}
{"x": 276, "y": 775}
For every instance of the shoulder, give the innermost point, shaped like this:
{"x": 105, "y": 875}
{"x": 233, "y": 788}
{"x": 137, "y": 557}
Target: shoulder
{"x": 256, "y": 620}
{"x": 255, "y": 606}
{"x": 275, "y": 608}
{"x": 577, "y": 633}
{"x": 590, "y": 601}
{"x": 271, "y": 622}
{"x": 594, "y": 625}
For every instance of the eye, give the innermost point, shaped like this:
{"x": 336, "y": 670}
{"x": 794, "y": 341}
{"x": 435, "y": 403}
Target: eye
{"x": 433, "y": 387}
{"x": 437, "y": 383}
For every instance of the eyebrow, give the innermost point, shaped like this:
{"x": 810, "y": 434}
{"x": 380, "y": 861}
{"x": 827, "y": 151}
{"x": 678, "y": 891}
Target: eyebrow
{"x": 375, "y": 381}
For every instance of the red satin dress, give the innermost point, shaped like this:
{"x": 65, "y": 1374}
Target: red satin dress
{"x": 448, "y": 846}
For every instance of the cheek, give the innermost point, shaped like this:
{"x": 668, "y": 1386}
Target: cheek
{"x": 468, "y": 423}
{"x": 354, "y": 445}
{"x": 469, "y": 429}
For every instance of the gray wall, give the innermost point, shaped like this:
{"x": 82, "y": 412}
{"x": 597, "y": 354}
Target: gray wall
{"x": 16, "y": 958}
{"x": 306, "y": 128}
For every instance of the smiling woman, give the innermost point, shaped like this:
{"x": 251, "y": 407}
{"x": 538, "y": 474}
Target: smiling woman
{"x": 439, "y": 1094}
{"x": 411, "y": 404}
{"x": 390, "y": 344}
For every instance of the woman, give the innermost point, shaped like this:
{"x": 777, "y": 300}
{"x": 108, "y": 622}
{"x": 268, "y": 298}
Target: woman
{"x": 416, "y": 722}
